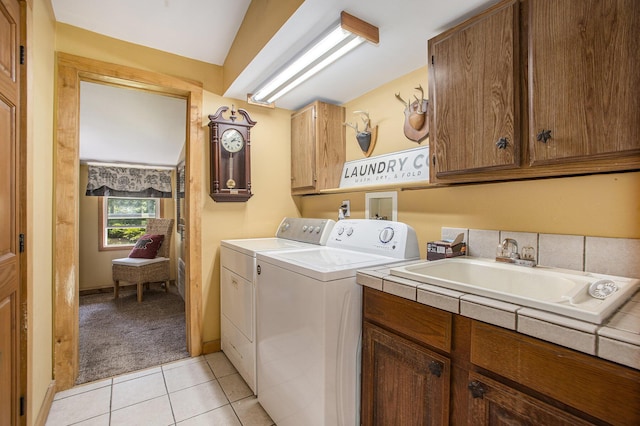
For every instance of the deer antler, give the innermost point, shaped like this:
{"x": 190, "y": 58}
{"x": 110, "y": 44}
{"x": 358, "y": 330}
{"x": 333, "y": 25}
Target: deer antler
{"x": 364, "y": 115}
{"x": 406, "y": 104}
{"x": 421, "y": 100}
{"x": 352, "y": 126}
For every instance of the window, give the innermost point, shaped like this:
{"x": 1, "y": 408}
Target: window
{"x": 123, "y": 220}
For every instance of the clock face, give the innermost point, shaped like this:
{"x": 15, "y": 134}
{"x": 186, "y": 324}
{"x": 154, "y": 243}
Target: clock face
{"x": 232, "y": 140}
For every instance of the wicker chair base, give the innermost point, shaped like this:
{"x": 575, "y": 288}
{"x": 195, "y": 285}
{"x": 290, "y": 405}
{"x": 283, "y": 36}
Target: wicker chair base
{"x": 155, "y": 272}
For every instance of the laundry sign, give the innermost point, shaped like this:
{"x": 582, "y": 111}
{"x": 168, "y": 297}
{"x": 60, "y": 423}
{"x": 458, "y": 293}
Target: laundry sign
{"x": 411, "y": 165}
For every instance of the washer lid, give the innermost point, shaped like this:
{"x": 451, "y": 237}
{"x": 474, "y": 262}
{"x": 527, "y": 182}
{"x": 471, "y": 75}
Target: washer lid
{"x": 324, "y": 263}
{"x": 250, "y": 246}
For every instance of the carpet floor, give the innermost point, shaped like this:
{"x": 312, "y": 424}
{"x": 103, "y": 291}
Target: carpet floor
{"x": 121, "y": 335}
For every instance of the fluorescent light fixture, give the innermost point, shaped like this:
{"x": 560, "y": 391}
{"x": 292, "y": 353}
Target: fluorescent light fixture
{"x": 340, "y": 38}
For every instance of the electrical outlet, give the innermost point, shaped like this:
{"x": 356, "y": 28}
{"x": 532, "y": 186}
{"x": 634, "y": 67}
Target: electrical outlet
{"x": 346, "y": 208}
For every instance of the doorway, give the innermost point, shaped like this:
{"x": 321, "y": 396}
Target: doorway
{"x": 71, "y": 71}
{"x": 139, "y": 130}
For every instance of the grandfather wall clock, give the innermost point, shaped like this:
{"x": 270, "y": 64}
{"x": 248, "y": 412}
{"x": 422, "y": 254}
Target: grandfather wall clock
{"x": 230, "y": 140}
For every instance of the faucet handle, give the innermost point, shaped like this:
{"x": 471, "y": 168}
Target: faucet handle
{"x": 528, "y": 253}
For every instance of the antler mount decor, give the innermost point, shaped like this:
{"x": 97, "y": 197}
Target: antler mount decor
{"x": 367, "y": 137}
{"x": 416, "y": 123}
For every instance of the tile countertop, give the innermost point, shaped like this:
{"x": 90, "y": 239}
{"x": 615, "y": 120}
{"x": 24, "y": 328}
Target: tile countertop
{"x": 617, "y": 339}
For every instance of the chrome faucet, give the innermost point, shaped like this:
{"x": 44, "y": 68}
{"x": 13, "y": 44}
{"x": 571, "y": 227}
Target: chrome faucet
{"x": 510, "y": 248}
{"x": 508, "y": 252}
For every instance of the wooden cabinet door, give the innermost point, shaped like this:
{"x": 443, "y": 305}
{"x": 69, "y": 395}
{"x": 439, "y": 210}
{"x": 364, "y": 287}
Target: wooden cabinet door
{"x": 9, "y": 212}
{"x": 330, "y": 145}
{"x": 583, "y": 79}
{"x": 474, "y": 80}
{"x": 492, "y": 403}
{"x": 403, "y": 383}
{"x": 303, "y": 150}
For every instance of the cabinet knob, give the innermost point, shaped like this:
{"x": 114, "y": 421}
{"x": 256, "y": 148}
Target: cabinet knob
{"x": 436, "y": 368}
{"x": 543, "y": 136}
{"x": 476, "y": 388}
{"x": 502, "y": 143}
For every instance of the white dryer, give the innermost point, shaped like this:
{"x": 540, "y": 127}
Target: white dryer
{"x": 309, "y": 321}
{"x": 237, "y": 286}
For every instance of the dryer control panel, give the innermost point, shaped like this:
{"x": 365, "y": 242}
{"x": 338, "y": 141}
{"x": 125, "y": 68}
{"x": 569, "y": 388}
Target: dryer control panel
{"x": 383, "y": 237}
{"x": 305, "y": 230}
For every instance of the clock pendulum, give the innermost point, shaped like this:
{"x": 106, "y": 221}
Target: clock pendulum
{"x": 231, "y": 183}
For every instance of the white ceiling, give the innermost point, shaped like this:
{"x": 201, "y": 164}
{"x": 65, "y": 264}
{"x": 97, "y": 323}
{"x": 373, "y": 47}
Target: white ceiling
{"x": 205, "y": 29}
{"x": 130, "y": 126}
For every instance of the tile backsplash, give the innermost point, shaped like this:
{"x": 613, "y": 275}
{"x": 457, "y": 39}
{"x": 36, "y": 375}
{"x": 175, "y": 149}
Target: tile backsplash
{"x": 482, "y": 243}
{"x": 611, "y": 256}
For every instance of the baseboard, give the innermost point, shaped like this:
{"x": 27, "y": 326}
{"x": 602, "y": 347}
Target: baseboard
{"x": 109, "y": 289}
{"x": 92, "y": 290}
{"x": 46, "y": 405}
{"x": 211, "y": 346}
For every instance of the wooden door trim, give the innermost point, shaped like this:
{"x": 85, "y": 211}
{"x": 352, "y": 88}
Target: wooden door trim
{"x": 26, "y": 301}
{"x": 71, "y": 70}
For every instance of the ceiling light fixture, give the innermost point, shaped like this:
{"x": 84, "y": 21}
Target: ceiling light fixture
{"x": 339, "y": 39}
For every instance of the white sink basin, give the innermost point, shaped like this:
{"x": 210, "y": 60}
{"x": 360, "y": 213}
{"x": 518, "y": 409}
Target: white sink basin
{"x": 559, "y": 291}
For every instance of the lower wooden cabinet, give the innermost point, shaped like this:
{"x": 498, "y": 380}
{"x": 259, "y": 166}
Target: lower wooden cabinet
{"x": 483, "y": 375}
{"x": 403, "y": 383}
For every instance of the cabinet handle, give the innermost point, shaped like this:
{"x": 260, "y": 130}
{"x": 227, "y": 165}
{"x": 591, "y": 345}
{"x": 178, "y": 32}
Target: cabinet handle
{"x": 502, "y": 143}
{"x": 476, "y": 388}
{"x": 436, "y": 368}
{"x": 544, "y": 136}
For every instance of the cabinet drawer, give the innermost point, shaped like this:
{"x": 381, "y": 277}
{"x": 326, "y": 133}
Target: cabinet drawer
{"x": 423, "y": 323}
{"x": 594, "y": 386}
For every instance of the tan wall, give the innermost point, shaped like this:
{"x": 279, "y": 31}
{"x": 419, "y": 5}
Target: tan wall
{"x": 40, "y": 59}
{"x": 88, "y": 44}
{"x": 605, "y": 205}
{"x": 270, "y": 163}
{"x": 258, "y": 217}
{"x": 95, "y": 265}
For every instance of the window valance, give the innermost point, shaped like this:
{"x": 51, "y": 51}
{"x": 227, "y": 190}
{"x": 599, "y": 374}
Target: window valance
{"x": 128, "y": 182}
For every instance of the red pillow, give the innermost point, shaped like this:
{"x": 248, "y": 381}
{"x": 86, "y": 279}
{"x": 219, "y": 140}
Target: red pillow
{"x": 147, "y": 246}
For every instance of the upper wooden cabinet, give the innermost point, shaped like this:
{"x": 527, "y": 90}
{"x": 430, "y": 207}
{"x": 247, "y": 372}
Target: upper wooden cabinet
{"x": 533, "y": 88}
{"x": 583, "y": 79}
{"x": 474, "y": 94}
{"x": 317, "y": 148}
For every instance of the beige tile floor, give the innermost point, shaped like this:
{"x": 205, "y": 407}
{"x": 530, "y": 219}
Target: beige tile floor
{"x": 206, "y": 390}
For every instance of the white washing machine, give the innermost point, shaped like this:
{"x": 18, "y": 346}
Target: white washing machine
{"x": 309, "y": 321}
{"x": 237, "y": 286}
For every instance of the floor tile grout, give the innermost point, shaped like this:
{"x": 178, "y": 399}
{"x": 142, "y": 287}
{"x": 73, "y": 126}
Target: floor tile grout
{"x": 166, "y": 388}
{"x": 223, "y": 365}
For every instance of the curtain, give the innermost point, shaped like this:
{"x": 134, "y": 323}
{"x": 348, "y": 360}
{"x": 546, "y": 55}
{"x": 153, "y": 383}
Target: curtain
{"x": 128, "y": 182}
